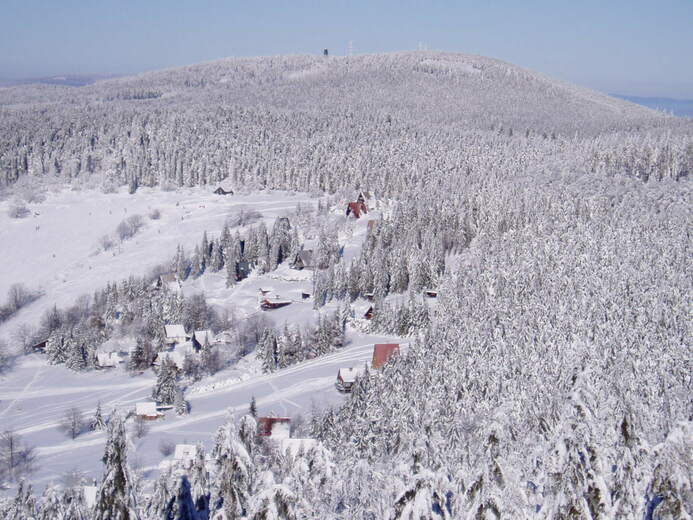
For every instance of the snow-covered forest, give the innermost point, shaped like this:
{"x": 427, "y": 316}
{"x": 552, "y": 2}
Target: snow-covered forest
{"x": 551, "y": 376}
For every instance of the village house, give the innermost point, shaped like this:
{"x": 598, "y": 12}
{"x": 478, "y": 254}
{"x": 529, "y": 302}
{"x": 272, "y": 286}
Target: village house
{"x": 177, "y": 355}
{"x": 276, "y": 302}
{"x": 243, "y": 270}
{"x": 223, "y": 188}
{"x": 274, "y": 427}
{"x": 369, "y": 313}
{"x": 39, "y": 347}
{"x": 174, "y": 334}
{"x": 108, "y": 359}
{"x": 168, "y": 279}
{"x": 346, "y": 377}
{"x": 303, "y": 260}
{"x": 430, "y": 293}
{"x": 382, "y": 352}
{"x": 147, "y": 410}
{"x": 356, "y": 209}
{"x": 200, "y": 337}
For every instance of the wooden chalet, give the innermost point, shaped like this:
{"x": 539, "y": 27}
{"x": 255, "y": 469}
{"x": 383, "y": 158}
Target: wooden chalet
{"x": 356, "y": 209}
{"x": 176, "y": 356}
{"x": 346, "y": 377}
{"x": 224, "y": 188}
{"x": 200, "y": 337}
{"x": 429, "y": 293}
{"x": 274, "y": 427}
{"x": 108, "y": 359}
{"x": 243, "y": 270}
{"x": 382, "y": 352}
{"x": 303, "y": 260}
{"x": 165, "y": 279}
{"x": 39, "y": 347}
{"x": 175, "y": 334}
{"x": 273, "y": 303}
{"x": 147, "y": 410}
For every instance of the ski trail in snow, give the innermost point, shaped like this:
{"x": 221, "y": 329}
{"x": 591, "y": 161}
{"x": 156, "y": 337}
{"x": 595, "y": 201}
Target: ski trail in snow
{"x": 24, "y": 391}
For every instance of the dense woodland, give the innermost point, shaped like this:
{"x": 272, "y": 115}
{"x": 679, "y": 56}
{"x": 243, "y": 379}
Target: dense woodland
{"x": 552, "y": 379}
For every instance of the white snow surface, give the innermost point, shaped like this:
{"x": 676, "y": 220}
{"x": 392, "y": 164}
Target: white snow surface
{"x": 56, "y": 249}
{"x": 35, "y": 395}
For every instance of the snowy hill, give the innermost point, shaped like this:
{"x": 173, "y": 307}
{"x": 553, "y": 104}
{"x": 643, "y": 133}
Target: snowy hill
{"x": 526, "y": 241}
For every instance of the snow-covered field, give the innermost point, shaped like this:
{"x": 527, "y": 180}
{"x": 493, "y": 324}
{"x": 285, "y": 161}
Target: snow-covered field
{"x": 57, "y": 251}
{"x": 34, "y": 396}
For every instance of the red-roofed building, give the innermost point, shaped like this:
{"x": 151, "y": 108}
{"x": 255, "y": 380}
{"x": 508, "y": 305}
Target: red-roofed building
{"x": 356, "y": 209}
{"x": 382, "y": 352}
{"x": 275, "y": 427}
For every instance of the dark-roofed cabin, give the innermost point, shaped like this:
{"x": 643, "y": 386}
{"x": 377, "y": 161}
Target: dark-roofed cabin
{"x": 39, "y": 347}
{"x": 303, "y": 260}
{"x": 243, "y": 270}
{"x": 369, "y": 313}
{"x": 382, "y": 352}
{"x": 223, "y": 189}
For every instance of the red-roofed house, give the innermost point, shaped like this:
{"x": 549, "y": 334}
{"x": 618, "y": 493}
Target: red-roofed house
{"x": 274, "y": 427}
{"x": 356, "y": 209}
{"x": 382, "y": 352}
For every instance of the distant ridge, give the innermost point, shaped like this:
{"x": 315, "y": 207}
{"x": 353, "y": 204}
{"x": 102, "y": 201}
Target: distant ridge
{"x": 68, "y": 80}
{"x": 678, "y": 107}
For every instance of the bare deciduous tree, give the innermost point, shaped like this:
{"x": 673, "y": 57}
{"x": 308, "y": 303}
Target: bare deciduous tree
{"x": 140, "y": 427}
{"x": 16, "y": 459}
{"x": 72, "y": 423}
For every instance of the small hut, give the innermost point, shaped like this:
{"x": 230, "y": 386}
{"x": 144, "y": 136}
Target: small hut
{"x": 274, "y": 427}
{"x": 346, "y": 377}
{"x": 147, "y": 410}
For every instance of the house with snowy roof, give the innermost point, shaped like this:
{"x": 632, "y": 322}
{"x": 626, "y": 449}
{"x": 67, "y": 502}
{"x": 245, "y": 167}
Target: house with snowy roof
{"x": 274, "y": 427}
{"x": 177, "y": 355}
{"x": 200, "y": 337}
{"x": 356, "y": 209}
{"x": 147, "y": 410}
{"x": 224, "y": 188}
{"x": 346, "y": 377}
{"x": 174, "y": 334}
{"x": 108, "y": 359}
{"x": 303, "y": 260}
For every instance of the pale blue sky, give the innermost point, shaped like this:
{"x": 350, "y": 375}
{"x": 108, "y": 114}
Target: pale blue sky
{"x": 638, "y": 47}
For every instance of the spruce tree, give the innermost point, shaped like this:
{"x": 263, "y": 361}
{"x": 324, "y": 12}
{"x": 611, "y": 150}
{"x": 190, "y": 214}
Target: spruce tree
{"x": 115, "y": 499}
{"x": 97, "y": 422}
{"x": 179, "y": 403}
{"x": 165, "y": 389}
